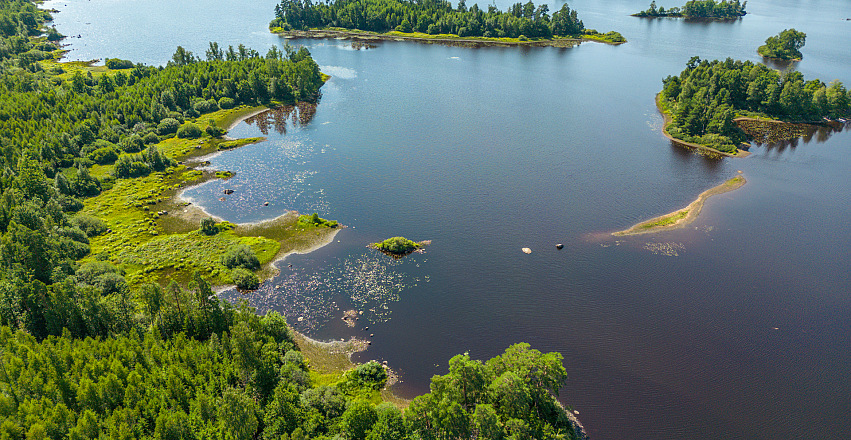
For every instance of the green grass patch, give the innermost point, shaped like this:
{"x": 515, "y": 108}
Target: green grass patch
{"x": 667, "y": 220}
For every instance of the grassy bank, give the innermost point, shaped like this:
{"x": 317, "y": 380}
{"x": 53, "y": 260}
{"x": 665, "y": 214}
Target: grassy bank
{"x": 685, "y": 216}
{"x": 154, "y": 235}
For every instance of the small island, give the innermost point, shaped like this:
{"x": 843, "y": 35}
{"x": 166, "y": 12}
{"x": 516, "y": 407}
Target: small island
{"x": 784, "y": 46}
{"x": 704, "y": 105}
{"x": 682, "y": 217}
{"x": 398, "y": 247}
{"x": 435, "y": 21}
{"x": 698, "y": 9}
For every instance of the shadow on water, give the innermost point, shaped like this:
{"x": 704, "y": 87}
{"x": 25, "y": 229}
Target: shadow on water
{"x": 300, "y": 115}
{"x": 781, "y": 65}
{"x": 779, "y": 137}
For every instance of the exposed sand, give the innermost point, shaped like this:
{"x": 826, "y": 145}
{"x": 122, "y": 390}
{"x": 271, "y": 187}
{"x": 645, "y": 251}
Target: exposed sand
{"x": 685, "y": 216}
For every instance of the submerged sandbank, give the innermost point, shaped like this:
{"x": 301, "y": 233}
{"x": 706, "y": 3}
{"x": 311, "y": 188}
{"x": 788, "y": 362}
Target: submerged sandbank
{"x": 685, "y": 216}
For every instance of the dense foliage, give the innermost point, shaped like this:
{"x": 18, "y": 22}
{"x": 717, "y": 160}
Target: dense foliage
{"x": 698, "y": 9}
{"x": 397, "y": 245}
{"x": 785, "y": 46}
{"x": 705, "y": 97}
{"x": 247, "y": 381}
{"x": 430, "y": 16}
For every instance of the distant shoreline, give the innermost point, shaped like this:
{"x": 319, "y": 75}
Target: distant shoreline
{"x": 365, "y": 36}
{"x": 682, "y": 217}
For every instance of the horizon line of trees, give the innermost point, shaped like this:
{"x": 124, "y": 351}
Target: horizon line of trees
{"x": 431, "y": 17}
{"x": 698, "y": 9}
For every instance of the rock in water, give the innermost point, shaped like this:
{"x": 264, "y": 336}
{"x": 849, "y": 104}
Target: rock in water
{"x": 559, "y": 246}
{"x": 526, "y": 250}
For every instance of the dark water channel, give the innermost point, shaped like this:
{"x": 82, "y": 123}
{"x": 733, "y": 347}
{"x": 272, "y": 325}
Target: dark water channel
{"x": 736, "y": 327}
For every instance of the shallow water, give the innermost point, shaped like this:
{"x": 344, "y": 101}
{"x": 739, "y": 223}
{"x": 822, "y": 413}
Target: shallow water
{"x": 738, "y": 324}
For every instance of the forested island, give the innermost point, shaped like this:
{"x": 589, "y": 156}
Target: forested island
{"x": 109, "y": 325}
{"x": 784, "y": 46}
{"x": 702, "y": 102}
{"x": 698, "y": 9}
{"x": 436, "y": 19}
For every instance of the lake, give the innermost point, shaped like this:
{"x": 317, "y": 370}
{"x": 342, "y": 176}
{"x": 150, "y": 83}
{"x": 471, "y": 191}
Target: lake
{"x": 736, "y": 326}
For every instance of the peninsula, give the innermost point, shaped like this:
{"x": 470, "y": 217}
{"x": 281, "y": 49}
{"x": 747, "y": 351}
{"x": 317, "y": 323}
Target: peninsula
{"x": 682, "y": 217}
{"x": 435, "y": 21}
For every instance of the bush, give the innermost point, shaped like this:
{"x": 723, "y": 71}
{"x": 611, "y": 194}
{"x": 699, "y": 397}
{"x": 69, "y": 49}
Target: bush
{"x": 115, "y": 63}
{"x": 168, "y": 126}
{"x": 240, "y": 255}
{"x": 151, "y": 138}
{"x": 370, "y": 375}
{"x": 225, "y": 102}
{"x": 206, "y": 106}
{"x": 214, "y": 131}
{"x": 132, "y": 143}
{"x": 208, "y": 226}
{"x": 103, "y": 155}
{"x": 245, "y": 279}
{"x": 397, "y": 245}
{"x": 189, "y": 131}
{"x": 91, "y": 225}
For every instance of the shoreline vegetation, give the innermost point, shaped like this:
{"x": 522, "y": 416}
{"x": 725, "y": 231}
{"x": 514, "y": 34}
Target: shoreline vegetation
{"x": 435, "y": 21}
{"x": 398, "y": 247}
{"x": 668, "y": 119}
{"x": 698, "y": 9}
{"x": 785, "y": 46}
{"x": 682, "y": 217}
{"x": 446, "y": 39}
{"x": 705, "y": 104}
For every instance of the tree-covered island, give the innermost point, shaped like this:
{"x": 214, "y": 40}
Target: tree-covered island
{"x": 436, "y": 19}
{"x": 398, "y": 247}
{"x": 784, "y": 46}
{"x": 701, "y": 104}
{"x": 698, "y": 9}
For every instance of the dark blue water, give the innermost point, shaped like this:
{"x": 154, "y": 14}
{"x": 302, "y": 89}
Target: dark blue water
{"x": 738, "y": 326}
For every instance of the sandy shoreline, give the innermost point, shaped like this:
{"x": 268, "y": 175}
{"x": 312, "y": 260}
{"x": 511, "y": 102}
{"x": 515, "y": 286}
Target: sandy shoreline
{"x": 669, "y": 119}
{"x": 682, "y": 217}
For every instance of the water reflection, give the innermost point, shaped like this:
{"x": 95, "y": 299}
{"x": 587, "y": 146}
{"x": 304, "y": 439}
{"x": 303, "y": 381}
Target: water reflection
{"x": 300, "y": 114}
{"x": 781, "y": 136}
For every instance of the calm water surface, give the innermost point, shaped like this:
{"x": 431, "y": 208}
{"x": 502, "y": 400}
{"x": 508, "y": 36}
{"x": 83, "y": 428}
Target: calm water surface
{"x": 738, "y": 326}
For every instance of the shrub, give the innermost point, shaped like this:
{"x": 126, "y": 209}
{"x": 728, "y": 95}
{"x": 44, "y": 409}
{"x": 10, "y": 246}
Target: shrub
{"x": 370, "y": 375}
{"x": 132, "y": 143}
{"x": 151, "y": 138}
{"x": 225, "y": 102}
{"x": 168, "y": 126}
{"x": 397, "y": 245}
{"x": 103, "y": 155}
{"x": 245, "y": 279}
{"x": 189, "y": 131}
{"x": 214, "y": 131}
{"x": 206, "y": 106}
{"x": 115, "y": 63}
{"x": 91, "y": 225}
{"x": 208, "y": 226}
{"x": 240, "y": 255}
